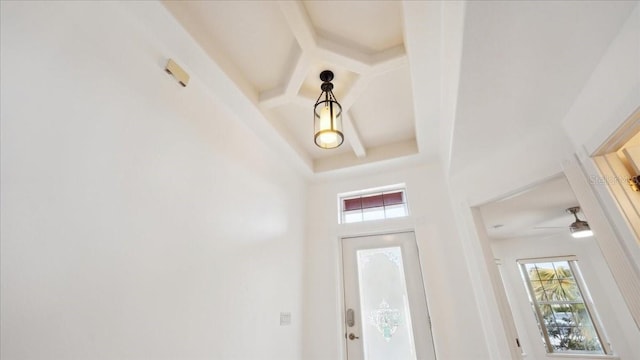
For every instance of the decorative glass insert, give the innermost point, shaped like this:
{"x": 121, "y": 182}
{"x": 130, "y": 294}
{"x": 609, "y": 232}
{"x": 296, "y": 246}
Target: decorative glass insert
{"x": 384, "y": 303}
{"x": 564, "y": 319}
{"x": 374, "y": 204}
{"x": 386, "y": 320}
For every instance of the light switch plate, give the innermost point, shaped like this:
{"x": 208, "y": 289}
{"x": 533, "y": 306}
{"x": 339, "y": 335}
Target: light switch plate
{"x": 285, "y": 318}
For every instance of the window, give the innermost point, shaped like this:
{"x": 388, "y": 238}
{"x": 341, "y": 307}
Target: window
{"x": 373, "y": 204}
{"x": 557, "y": 296}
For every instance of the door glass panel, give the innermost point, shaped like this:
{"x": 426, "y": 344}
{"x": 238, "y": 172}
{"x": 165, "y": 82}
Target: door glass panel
{"x": 386, "y": 319}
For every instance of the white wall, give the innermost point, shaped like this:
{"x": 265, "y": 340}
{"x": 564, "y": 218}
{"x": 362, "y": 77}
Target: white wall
{"x": 611, "y": 94}
{"x": 607, "y": 100}
{"x": 612, "y": 311}
{"x": 458, "y": 333}
{"x": 139, "y": 219}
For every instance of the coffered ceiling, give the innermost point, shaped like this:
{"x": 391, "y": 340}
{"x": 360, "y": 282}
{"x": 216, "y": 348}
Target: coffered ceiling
{"x": 418, "y": 79}
{"x": 275, "y": 51}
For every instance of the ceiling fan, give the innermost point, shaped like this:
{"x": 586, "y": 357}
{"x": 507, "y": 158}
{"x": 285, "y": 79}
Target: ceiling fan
{"x": 578, "y": 228}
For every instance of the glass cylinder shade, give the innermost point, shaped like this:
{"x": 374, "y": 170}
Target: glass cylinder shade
{"x": 327, "y": 121}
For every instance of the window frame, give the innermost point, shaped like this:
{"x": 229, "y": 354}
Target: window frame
{"x": 342, "y": 197}
{"x": 572, "y": 262}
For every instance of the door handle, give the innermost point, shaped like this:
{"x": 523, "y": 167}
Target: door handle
{"x": 353, "y": 337}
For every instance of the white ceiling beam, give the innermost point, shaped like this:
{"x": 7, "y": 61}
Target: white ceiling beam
{"x": 273, "y": 97}
{"x": 390, "y": 59}
{"x": 282, "y": 95}
{"x": 343, "y": 56}
{"x": 298, "y": 74}
{"x": 305, "y": 98}
{"x": 354, "y": 93}
{"x": 350, "y": 130}
{"x": 352, "y": 134}
{"x": 299, "y": 23}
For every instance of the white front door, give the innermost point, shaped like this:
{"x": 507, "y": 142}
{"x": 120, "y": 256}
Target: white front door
{"x": 386, "y": 314}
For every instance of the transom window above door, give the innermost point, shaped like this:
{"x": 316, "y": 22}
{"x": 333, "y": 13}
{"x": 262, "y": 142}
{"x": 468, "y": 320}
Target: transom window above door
{"x": 373, "y": 204}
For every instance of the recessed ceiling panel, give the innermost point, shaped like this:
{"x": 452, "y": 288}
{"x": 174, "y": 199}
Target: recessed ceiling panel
{"x": 383, "y": 113}
{"x": 371, "y": 26}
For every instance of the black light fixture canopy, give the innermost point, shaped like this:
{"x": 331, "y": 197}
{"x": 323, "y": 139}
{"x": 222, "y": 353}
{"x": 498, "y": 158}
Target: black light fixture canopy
{"x": 327, "y": 115}
{"x": 579, "y": 228}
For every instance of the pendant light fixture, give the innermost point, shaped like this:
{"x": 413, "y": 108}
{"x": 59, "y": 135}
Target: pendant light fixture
{"x": 579, "y": 228}
{"x": 327, "y": 115}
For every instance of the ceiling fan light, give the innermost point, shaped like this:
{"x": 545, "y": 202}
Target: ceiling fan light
{"x": 580, "y": 229}
{"x": 582, "y": 234}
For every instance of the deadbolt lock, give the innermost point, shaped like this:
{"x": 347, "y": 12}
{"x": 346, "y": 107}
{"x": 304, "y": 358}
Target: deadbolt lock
{"x": 351, "y": 318}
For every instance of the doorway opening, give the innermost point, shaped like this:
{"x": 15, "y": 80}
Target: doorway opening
{"x": 618, "y": 161}
{"x": 533, "y": 226}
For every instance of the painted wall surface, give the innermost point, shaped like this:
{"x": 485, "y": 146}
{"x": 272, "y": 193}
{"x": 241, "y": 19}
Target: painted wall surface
{"x": 140, "y": 219}
{"x": 609, "y": 304}
{"x": 449, "y": 292}
{"x": 612, "y": 93}
{"x": 609, "y": 98}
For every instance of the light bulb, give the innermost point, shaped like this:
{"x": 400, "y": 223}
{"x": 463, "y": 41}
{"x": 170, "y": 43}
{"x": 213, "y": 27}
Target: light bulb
{"x": 328, "y": 138}
{"x": 582, "y": 234}
{"x": 325, "y": 118}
